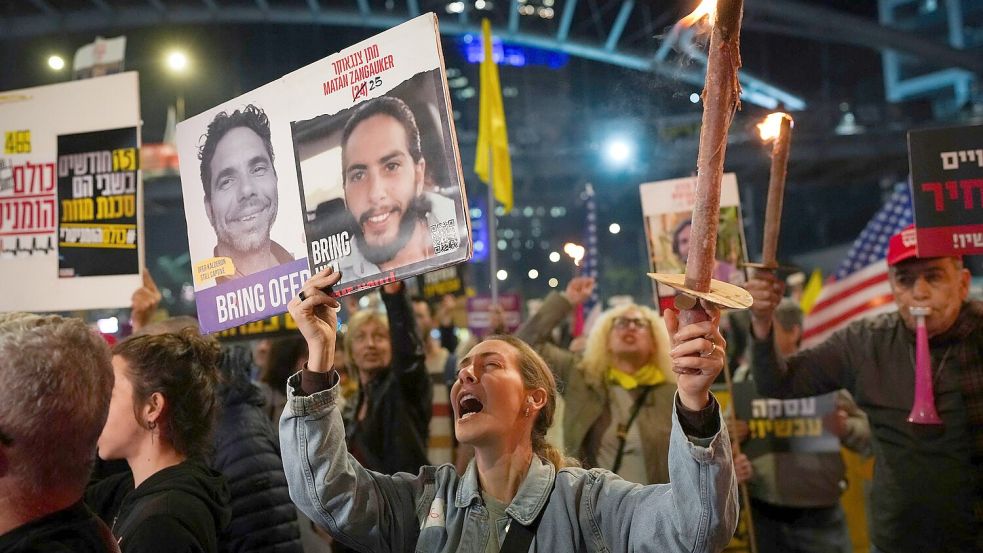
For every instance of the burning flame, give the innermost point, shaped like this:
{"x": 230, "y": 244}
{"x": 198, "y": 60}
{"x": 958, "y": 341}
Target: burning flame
{"x": 707, "y": 8}
{"x": 772, "y": 125}
{"x": 575, "y": 251}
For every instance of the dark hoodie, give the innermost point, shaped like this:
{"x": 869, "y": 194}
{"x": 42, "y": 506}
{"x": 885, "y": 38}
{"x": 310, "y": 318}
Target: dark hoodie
{"x": 178, "y": 509}
{"x": 248, "y": 455}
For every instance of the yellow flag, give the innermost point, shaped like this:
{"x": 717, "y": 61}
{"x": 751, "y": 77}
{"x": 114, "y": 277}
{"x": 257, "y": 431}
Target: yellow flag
{"x": 491, "y": 160}
{"x": 811, "y": 291}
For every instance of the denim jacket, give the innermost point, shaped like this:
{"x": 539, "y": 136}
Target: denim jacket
{"x": 439, "y": 511}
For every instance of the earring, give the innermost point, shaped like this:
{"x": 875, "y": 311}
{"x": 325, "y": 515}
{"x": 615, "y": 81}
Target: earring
{"x": 526, "y": 413}
{"x": 152, "y": 425}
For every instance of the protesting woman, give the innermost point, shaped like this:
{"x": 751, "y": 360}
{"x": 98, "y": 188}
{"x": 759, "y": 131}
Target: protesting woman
{"x": 517, "y": 492}
{"x": 160, "y": 418}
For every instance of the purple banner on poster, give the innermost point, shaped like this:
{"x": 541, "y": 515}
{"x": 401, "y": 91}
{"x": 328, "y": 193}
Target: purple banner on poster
{"x": 250, "y": 298}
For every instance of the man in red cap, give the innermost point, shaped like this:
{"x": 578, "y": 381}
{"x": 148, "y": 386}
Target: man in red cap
{"x": 926, "y": 493}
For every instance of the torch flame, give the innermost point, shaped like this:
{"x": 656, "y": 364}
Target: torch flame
{"x": 772, "y": 125}
{"x": 575, "y": 251}
{"x": 707, "y": 8}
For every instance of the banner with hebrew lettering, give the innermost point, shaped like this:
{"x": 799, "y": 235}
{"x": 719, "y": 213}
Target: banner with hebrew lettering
{"x": 70, "y": 195}
{"x": 97, "y": 187}
{"x": 785, "y": 425}
{"x": 947, "y": 190}
{"x": 349, "y": 162}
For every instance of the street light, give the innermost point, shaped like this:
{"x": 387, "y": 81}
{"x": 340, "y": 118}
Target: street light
{"x": 618, "y": 151}
{"x": 177, "y": 62}
{"x": 56, "y": 62}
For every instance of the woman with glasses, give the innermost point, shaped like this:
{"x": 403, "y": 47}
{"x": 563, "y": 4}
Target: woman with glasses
{"x": 622, "y": 386}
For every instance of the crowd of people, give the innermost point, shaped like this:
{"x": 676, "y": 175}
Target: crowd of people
{"x": 404, "y": 434}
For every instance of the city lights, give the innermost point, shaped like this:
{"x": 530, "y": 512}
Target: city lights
{"x": 554, "y": 256}
{"x": 56, "y": 63}
{"x": 533, "y": 273}
{"x": 614, "y": 228}
{"x": 554, "y": 283}
{"x": 502, "y": 274}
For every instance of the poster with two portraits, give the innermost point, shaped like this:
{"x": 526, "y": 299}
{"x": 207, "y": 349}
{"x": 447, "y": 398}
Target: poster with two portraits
{"x": 350, "y": 162}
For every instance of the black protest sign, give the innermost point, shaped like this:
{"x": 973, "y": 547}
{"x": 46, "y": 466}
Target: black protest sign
{"x": 947, "y": 190}
{"x": 784, "y": 425}
{"x": 97, "y": 193}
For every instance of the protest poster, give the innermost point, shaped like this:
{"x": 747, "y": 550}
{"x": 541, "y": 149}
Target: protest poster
{"x": 667, "y": 207}
{"x": 947, "y": 190}
{"x": 785, "y": 425}
{"x": 97, "y": 186}
{"x": 70, "y": 201}
{"x": 286, "y": 180}
{"x": 486, "y": 316}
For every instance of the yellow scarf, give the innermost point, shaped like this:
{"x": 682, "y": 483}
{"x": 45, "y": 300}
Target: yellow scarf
{"x": 649, "y": 375}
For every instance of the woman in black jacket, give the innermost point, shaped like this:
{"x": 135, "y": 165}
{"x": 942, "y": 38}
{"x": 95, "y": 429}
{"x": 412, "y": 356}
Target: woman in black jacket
{"x": 160, "y": 419}
{"x": 247, "y": 453}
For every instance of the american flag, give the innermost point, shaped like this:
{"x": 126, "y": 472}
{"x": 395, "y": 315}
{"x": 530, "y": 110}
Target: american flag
{"x": 860, "y": 285}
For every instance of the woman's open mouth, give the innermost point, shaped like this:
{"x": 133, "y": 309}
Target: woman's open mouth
{"x": 467, "y": 406}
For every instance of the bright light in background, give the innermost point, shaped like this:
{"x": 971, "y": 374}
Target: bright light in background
{"x": 533, "y": 273}
{"x": 695, "y": 98}
{"x": 455, "y": 7}
{"x": 108, "y": 326}
{"x": 554, "y": 283}
{"x": 614, "y": 228}
{"x": 618, "y": 151}
{"x": 177, "y": 61}
{"x": 502, "y": 274}
{"x": 554, "y": 256}
{"x": 56, "y": 63}
{"x": 575, "y": 251}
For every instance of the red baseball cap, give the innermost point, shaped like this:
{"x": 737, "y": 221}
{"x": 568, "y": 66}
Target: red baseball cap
{"x": 902, "y": 246}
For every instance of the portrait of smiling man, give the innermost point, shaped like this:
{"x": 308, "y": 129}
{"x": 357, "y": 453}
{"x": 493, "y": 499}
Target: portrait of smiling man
{"x": 384, "y": 176}
{"x": 240, "y": 185}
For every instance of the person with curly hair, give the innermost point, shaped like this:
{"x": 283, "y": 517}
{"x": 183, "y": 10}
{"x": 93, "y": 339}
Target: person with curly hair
{"x": 622, "y": 386}
{"x": 240, "y": 184}
{"x": 161, "y": 414}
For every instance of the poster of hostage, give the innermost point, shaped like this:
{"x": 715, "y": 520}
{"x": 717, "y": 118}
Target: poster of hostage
{"x": 667, "y": 207}
{"x": 381, "y": 184}
{"x": 262, "y": 179}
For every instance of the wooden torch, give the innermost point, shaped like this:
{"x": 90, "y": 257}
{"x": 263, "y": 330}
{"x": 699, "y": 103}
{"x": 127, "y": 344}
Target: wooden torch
{"x": 721, "y": 98}
{"x": 776, "y": 128}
